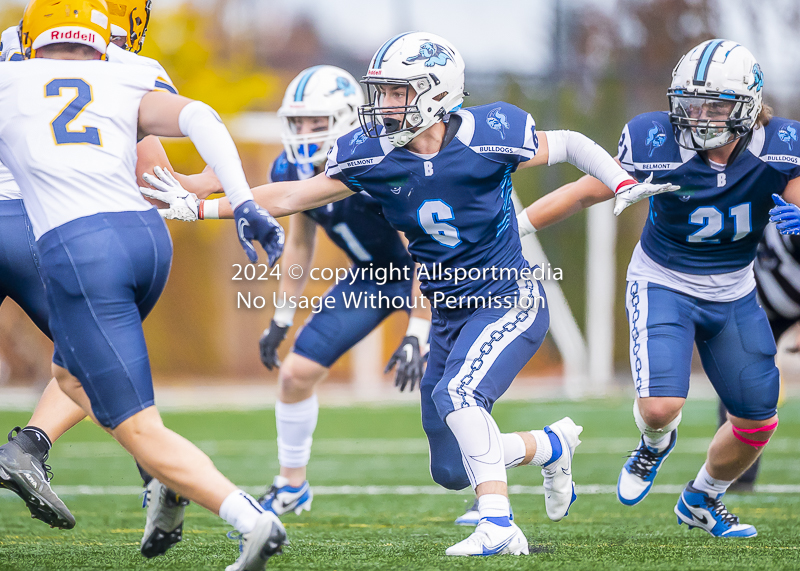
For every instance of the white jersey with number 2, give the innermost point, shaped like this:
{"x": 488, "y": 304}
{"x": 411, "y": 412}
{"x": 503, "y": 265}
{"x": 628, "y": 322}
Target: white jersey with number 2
{"x": 68, "y": 132}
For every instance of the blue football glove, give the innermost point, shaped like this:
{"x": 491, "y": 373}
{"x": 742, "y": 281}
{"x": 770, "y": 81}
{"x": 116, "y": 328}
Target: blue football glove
{"x": 785, "y": 216}
{"x": 252, "y": 221}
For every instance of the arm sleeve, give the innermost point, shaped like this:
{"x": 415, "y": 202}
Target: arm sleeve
{"x": 211, "y": 139}
{"x": 579, "y": 150}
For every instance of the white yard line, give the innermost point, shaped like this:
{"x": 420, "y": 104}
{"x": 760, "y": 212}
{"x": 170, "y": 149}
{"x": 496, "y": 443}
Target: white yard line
{"x": 385, "y": 446}
{"x": 589, "y": 490}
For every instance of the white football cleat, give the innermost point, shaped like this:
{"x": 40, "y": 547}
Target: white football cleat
{"x": 163, "y": 527}
{"x": 559, "y": 489}
{"x": 491, "y": 538}
{"x": 267, "y": 539}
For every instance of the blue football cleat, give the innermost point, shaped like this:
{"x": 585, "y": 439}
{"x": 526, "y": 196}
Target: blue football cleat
{"x": 698, "y": 509}
{"x": 282, "y": 498}
{"x": 636, "y": 478}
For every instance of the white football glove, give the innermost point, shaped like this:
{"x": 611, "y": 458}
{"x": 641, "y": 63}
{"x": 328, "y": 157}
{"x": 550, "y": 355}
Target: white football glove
{"x": 166, "y": 188}
{"x": 636, "y": 192}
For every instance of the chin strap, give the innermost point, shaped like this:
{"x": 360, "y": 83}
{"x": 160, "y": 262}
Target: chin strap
{"x": 741, "y": 144}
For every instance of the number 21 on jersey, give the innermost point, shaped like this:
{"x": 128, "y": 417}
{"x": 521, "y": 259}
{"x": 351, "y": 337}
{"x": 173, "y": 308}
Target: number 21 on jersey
{"x": 712, "y": 221}
{"x": 61, "y": 124}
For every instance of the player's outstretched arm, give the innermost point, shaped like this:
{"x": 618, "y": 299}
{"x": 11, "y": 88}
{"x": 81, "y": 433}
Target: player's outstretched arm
{"x": 580, "y": 151}
{"x": 170, "y": 115}
{"x": 563, "y": 203}
{"x": 299, "y": 252}
{"x": 285, "y": 198}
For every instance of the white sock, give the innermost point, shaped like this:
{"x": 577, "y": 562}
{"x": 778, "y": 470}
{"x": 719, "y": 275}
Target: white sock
{"x": 713, "y": 487}
{"x": 493, "y": 505}
{"x": 480, "y": 442}
{"x": 658, "y": 442}
{"x": 241, "y": 511}
{"x": 544, "y": 448}
{"x": 513, "y": 449}
{"x": 296, "y": 423}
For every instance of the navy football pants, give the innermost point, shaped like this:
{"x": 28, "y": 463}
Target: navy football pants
{"x": 104, "y": 273}
{"x": 20, "y": 278}
{"x": 329, "y": 334}
{"x": 475, "y": 355}
{"x": 734, "y": 340}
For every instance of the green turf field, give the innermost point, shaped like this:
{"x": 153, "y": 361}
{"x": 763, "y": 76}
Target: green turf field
{"x": 386, "y": 527}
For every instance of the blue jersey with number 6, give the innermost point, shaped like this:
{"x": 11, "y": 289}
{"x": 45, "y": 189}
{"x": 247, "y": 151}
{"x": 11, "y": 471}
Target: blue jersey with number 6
{"x": 713, "y": 224}
{"x": 454, "y": 207}
{"x": 355, "y": 224}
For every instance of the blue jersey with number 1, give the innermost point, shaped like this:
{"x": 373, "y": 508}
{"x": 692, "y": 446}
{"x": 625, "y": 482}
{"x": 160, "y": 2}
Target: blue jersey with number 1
{"x": 713, "y": 224}
{"x": 355, "y": 224}
{"x": 454, "y": 207}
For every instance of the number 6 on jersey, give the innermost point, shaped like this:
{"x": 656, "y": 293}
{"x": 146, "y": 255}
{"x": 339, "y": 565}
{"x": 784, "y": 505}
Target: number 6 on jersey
{"x": 431, "y": 215}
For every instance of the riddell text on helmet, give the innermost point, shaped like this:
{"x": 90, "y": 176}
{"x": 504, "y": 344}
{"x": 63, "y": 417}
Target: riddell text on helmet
{"x": 73, "y": 35}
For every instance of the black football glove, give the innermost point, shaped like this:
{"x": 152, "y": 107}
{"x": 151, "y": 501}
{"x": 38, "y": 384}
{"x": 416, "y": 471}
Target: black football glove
{"x": 269, "y": 343}
{"x": 409, "y": 363}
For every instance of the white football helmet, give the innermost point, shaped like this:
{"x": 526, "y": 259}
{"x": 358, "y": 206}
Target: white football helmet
{"x": 715, "y": 96}
{"x": 319, "y": 91}
{"x": 424, "y": 62}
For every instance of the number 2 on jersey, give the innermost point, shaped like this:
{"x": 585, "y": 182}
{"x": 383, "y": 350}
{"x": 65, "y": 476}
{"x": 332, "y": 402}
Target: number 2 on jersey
{"x": 60, "y": 125}
{"x": 431, "y": 216}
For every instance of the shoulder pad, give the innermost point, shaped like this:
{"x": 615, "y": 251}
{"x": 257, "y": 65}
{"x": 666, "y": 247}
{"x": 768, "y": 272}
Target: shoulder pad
{"x": 355, "y": 152}
{"x": 651, "y": 143}
{"x": 499, "y": 123}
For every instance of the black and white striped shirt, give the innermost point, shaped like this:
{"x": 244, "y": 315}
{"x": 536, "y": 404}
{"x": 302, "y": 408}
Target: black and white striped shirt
{"x": 777, "y": 269}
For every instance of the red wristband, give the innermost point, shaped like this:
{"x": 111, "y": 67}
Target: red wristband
{"x": 628, "y": 182}
{"x": 200, "y": 210}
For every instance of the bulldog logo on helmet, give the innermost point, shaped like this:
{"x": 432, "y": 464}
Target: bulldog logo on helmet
{"x": 343, "y": 84}
{"x": 434, "y": 54}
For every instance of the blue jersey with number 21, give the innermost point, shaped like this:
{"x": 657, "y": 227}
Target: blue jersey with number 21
{"x": 454, "y": 207}
{"x": 713, "y": 224}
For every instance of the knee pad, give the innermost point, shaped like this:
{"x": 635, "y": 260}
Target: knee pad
{"x": 645, "y": 429}
{"x": 743, "y": 434}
